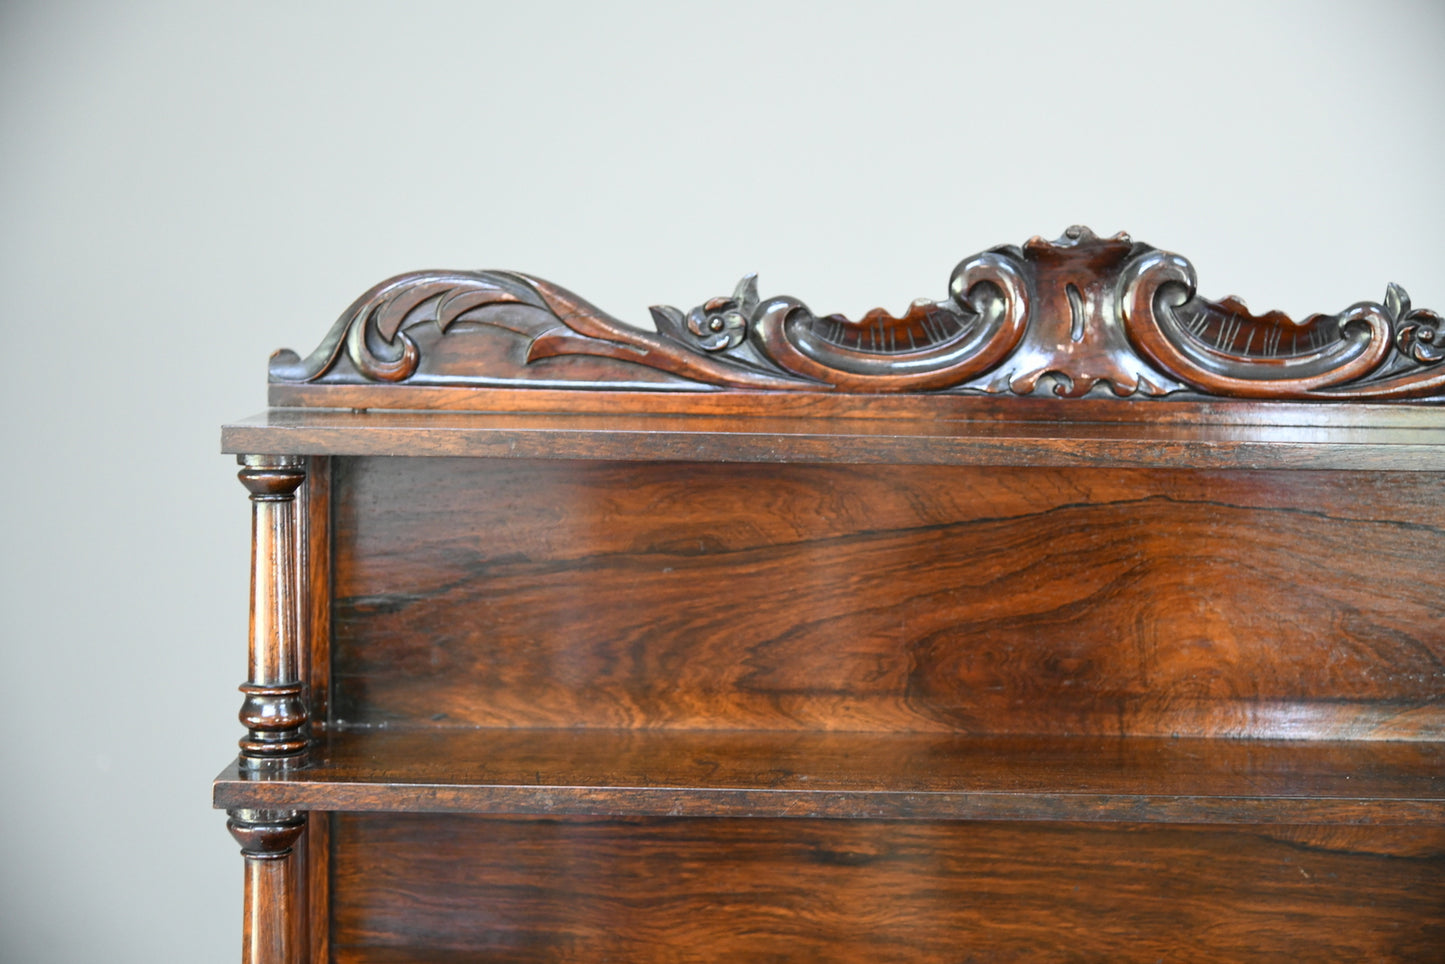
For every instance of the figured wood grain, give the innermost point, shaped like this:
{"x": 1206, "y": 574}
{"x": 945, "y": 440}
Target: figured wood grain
{"x": 711, "y": 438}
{"x": 874, "y": 775}
{"x": 314, "y": 536}
{"x": 275, "y": 923}
{"x": 824, "y": 405}
{"x": 272, "y": 925}
{"x": 316, "y": 884}
{"x": 708, "y": 890}
{"x": 648, "y": 668}
{"x": 511, "y": 593}
{"x": 416, "y": 398}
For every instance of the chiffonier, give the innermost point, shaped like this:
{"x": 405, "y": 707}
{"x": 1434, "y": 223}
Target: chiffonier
{"x": 1074, "y": 616}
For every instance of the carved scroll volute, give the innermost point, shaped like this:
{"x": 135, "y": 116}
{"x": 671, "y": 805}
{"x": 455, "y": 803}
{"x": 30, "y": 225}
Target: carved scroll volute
{"x": 1222, "y": 349}
{"x": 933, "y": 345}
{"x": 1073, "y": 317}
{"x": 274, "y": 710}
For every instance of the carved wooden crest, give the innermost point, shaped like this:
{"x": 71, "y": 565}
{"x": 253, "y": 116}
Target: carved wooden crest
{"x": 1080, "y": 315}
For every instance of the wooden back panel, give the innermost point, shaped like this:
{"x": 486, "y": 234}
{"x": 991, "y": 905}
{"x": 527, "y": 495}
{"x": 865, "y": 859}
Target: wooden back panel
{"x": 521, "y": 889}
{"x": 476, "y": 592}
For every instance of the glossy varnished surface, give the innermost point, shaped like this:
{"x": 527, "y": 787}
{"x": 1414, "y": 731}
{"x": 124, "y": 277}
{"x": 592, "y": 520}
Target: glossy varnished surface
{"x": 1063, "y": 318}
{"x": 842, "y": 406}
{"x": 514, "y": 593}
{"x": 874, "y": 775}
{"x": 711, "y": 890}
{"x": 781, "y": 637}
{"x": 921, "y": 439}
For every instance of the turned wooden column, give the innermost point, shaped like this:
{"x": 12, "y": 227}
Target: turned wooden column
{"x": 272, "y": 927}
{"x": 273, "y": 711}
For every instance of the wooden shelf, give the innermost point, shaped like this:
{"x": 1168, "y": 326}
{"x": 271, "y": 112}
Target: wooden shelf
{"x": 709, "y": 438}
{"x": 432, "y": 955}
{"x": 554, "y": 597}
{"x": 855, "y": 775}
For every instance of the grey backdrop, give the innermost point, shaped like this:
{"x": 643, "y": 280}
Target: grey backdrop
{"x": 185, "y": 187}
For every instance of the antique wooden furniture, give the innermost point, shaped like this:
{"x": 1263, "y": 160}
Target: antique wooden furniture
{"x": 1072, "y": 617}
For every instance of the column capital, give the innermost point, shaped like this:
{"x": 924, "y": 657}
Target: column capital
{"x": 271, "y": 478}
{"x": 265, "y": 834}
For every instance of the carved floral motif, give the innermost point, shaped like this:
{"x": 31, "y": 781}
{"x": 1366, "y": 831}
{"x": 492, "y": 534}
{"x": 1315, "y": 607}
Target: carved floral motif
{"x": 1419, "y": 334}
{"x": 1076, "y": 316}
{"x": 716, "y": 325}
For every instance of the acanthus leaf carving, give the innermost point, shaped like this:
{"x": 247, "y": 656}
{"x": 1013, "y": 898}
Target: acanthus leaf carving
{"x": 1076, "y": 316}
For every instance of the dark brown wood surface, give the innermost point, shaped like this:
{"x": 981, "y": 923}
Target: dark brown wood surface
{"x": 936, "y": 441}
{"x": 314, "y": 584}
{"x": 874, "y": 775}
{"x": 836, "y": 405}
{"x": 315, "y": 884}
{"x": 1068, "y": 317}
{"x": 641, "y": 890}
{"x": 275, "y": 923}
{"x": 1012, "y": 627}
{"x": 274, "y": 710}
{"x": 895, "y": 598}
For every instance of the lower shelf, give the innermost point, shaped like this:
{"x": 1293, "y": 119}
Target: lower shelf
{"x": 875, "y": 776}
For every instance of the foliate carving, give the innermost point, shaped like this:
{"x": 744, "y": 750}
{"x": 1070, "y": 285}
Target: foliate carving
{"x": 1076, "y": 316}
{"x": 1221, "y": 348}
{"x": 717, "y": 325}
{"x": 1419, "y": 334}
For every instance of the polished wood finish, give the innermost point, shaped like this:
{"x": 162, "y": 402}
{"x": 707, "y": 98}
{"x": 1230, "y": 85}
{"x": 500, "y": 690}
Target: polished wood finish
{"x": 313, "y": 520}
{"x": 892, "y": 776}
{"x": 776, "y": 636}
{"x": 650, "y": 438}
{"x": 900, "y": 598}
{"x": 622, "y": 402}
{"x": 315, "y": 872}
{"x": 273, "y": 929}
{"x": 274, "y": 710}
{"x": 857, "y": 890}
{"x": 1070, "y": 317}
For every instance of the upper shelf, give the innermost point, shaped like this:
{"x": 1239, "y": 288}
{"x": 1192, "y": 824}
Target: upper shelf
{"x": 1406, "y": 446}
{"x": 855, "y": 775}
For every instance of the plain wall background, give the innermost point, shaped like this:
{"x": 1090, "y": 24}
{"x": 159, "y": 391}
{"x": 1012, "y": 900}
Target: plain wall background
{"x": 186, "y": 187}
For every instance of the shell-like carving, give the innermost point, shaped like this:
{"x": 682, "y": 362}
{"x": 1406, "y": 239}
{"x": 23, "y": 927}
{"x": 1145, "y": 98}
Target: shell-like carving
{"x": 1222, "y": 349}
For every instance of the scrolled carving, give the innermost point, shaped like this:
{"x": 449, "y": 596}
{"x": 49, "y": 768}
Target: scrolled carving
{"x": 716, "y": 325}
{"x": 932, "y": 345}
{"x": 1221, "y": 348}
{"x": 1419, "y": 334}
{"x": 1075, "y": 343}
{"x": 373, "y": 332}
{"x": 1080, "y": 315}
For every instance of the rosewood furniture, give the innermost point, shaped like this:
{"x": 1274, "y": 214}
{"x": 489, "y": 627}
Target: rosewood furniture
{"x": 1075, "y": 616}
